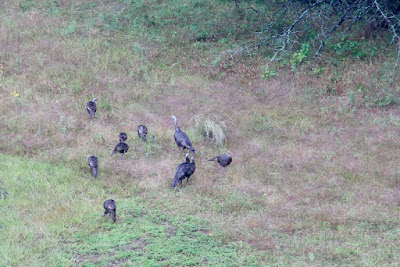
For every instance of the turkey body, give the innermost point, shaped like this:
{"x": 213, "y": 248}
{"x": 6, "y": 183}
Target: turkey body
{"x": 181, "y": 172}
{"x": 223, "y": 160}
{"x": 93, "y": 163}
{"x": 181, "y": 138}
{"x": 91, "y": 108}
{"x": 192, "y": 168}
{"x": 111, "y": 209}
{"x": 121, "y": 148}
{"x": 142, "y": 132}
{"x": 123, "y": 137}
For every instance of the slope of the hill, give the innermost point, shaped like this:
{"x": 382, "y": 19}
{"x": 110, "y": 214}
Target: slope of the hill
{"x": 314, "y": 177}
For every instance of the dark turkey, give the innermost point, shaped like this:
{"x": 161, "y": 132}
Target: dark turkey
{"x": 120, "y": 148}
{"x": 91, "y": 108}
{"x": 110, "y": 209}
{"x": 192, "y": 168}
{"x": 3, "y": 191}
{"x": 123, "y": 137}
{"x": 181, "y": 138}
{"x": 142, "y": 132}
{"x": 181, "y": 172}
{"x": 223, "y": 160}
{"x": 93, "y": 163}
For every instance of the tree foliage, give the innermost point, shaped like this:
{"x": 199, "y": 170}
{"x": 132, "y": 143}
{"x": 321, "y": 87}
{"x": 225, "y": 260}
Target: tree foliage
{"x": 315, "y": 22}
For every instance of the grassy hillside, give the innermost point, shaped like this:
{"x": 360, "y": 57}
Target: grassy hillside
{"x": 52, "y": 218}
{"x": 314, "y": 178}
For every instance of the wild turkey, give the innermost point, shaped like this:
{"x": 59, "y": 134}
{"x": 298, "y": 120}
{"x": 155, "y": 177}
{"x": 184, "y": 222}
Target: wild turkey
{"x": 120, "y": 148}
{"x": 223, "y": 160}
{"x": 181, "y": 138}
{"x": 142, "y": 132}
{"x": 3, "y": 191}
{"x": 93, "y": 163}
{"x": 192, "y": 168}
{"x": 110, "y": 209}
{"x": 123, "y": 137}
{"x": 91, "y": 107}
{"x": 181, "y": 172}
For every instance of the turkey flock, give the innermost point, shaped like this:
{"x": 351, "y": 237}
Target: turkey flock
{"x": 183, "y": 171}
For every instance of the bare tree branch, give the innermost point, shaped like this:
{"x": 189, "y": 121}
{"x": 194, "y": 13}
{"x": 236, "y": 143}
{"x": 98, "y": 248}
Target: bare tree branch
{"x": 341, "y": 20}
{"x": 387, "y": 19}
{"x": 324, "y": 18}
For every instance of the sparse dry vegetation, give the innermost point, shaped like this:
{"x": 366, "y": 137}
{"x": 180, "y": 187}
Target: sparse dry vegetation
{"x": 314, "y": 178}
{"x": 211, "y": 130}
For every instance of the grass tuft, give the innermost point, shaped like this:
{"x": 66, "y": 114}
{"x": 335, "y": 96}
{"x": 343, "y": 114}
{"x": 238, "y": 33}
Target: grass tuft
{"x": 210, "y": 130}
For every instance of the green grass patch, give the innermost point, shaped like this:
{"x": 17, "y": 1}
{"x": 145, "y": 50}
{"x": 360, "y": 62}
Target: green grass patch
{"x": 52, "y": 216}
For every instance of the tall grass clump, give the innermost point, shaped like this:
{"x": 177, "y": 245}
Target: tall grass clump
{"x": 211, "y": 130}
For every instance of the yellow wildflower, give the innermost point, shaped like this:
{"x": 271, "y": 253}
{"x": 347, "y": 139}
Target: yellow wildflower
{"x": 15, "y": 94}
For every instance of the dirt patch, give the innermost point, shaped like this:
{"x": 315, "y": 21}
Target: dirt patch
{"x": 137, "y": 245}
